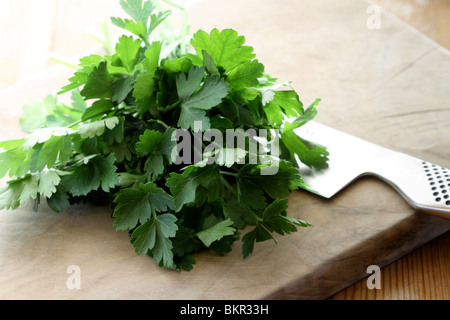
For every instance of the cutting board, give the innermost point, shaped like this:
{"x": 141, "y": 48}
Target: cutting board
{"x": 388, "y": 85}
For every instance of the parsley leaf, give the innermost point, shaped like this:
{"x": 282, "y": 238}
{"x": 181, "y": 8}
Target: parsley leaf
{"x": 244, "y": 78}
{"x": 42, "y": 135}
{"x": 284, "y": 104}
{"x": 97, "y": 128}
{"x": 258, "y": 234}
{"x": 273, "y": 220}
{"x": 140, "y": 206}
{"x": 184, "y": 186}
{"x": 158, "y": 146}
{"x": 225, "y": 47}
{"x": 216, "y": 232}
{"x": 254, "y": 187}
{"x": 19, "y": 192}
{"x": 195, "y": 103}
{"x": 87, "y": 65}
{"x": 113, "y": 142}
{"x": 310, "y": 154}
{"x": 90, "y": 174}
{"x": 48, "y": 180}
{"x": 127, "y": 53}
{"x": 50, "y": 113}
{"x": 13, "y": 159}
{"x": 145, "y": 84}
{"x": 98, "y": 83}
{"x": 144, "y": 22}
{"x": 59, "y": 201}
{"x": 136, "y": 205}
{"x": 153, "y": 238}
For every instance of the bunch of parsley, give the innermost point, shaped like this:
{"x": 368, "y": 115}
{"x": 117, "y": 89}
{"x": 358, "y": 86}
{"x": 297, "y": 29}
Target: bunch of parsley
{"x": 113, "y": 144}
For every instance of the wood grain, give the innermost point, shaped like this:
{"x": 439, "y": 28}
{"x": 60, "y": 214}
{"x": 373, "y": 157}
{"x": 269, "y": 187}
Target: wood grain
{"x": 422, "y": 274}
{"x": 428, "y": 16}
{"x": 425, "y": 273}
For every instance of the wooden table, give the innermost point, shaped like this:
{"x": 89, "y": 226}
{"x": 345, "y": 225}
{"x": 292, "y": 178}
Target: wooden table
{"x": 424, "y": 273}
{"x": 294, "y": 33}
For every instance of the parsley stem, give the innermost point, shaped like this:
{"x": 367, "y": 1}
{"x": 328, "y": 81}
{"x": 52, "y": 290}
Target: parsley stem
{"x": 226, "y": 173}
{"x": 64, "y": 61}
{"x": 228, "y": 186}
{"x": 184, "y": 24}
{"x": 74, "y": 123}
{"x": 176, "y": 104}
{"x": 146, "y": 42}
{"x": 258, "y": 218}
{"x": 235, "y": 169}
{"x": 159, "y": 122}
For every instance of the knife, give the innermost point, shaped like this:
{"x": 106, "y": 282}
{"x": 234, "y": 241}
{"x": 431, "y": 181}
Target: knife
{"x": 424, "y": 185}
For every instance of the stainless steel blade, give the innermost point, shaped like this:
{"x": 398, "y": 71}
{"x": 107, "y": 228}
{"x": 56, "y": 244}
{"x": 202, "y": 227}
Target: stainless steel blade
{"x": 425, "y": 186}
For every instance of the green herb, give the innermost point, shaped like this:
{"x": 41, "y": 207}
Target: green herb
{"x": 115, "y": 143}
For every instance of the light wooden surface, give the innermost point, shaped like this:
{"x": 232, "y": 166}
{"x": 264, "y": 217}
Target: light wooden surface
{"x": 33, "y": 30}
{"x": 430, "y": 17}
{"x": 423, "y": 274}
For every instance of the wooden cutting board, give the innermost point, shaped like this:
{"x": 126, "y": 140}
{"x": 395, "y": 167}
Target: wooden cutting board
{"x": 388, "y": 85}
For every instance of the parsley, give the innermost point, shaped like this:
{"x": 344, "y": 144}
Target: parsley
{"x": 114, "y": 144}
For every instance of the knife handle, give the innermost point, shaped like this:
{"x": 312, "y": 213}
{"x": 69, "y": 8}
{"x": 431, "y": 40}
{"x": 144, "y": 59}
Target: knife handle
{"x": 424, "y": 185}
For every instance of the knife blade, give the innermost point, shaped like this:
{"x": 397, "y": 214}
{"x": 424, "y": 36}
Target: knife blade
{"x": 424, "y": 186}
